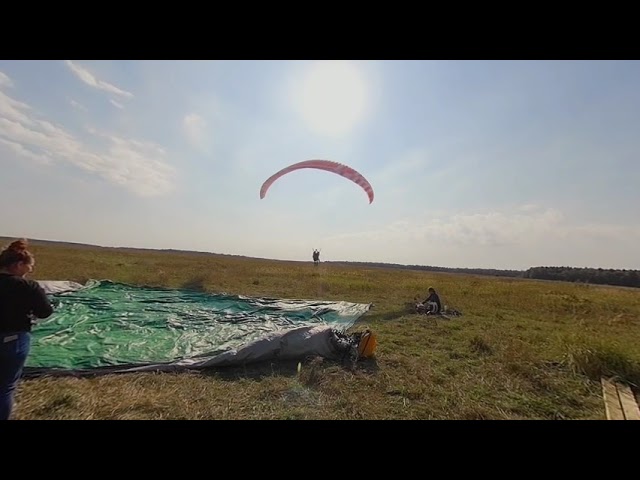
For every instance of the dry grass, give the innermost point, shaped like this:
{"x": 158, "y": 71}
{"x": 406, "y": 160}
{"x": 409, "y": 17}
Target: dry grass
{"x": 523, "y": 349}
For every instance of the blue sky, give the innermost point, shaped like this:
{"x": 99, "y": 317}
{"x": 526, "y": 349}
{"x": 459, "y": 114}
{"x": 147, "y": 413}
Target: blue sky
{"x": 494, "y": 164}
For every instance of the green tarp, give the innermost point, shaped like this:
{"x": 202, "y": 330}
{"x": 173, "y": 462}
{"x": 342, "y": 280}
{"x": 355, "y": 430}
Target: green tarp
{"x": 107, "y": 325}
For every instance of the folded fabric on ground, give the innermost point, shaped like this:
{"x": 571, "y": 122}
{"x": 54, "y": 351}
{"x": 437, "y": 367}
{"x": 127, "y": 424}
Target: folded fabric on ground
{"x": 109, "y": 327}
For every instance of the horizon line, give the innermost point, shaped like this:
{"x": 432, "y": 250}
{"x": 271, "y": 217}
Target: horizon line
{"x": 9, "y": 238}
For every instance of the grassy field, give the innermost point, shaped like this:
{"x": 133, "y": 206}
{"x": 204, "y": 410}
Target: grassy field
{"x": 523, "y": 349}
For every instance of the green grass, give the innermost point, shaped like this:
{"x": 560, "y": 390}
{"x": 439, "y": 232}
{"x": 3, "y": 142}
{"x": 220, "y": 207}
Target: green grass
{"x": 523, "y": 349}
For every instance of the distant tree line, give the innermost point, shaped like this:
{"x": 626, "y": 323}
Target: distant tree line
{"x": 601, "y": 276}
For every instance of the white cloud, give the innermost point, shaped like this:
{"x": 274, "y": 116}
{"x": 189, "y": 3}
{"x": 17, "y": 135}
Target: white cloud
{"x": 529, "y": 207}
{"x": 485, "y": 229}
{"x": 5, "y": 81}
{"x": 87, "y": 77}
{"x": 501, "y": 238}
{"x": 20, "y": 150}
{"x": 116, "y": 104}
{"x": 493, "y": 229}
{"x": 195, "y": 129}
{"x": 14, "y": 110}
{"x": 77, "y": 105}
{"x": 140, "y": 167}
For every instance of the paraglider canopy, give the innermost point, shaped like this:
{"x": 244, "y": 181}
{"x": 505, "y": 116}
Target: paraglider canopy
{"x": 327, "y": 165}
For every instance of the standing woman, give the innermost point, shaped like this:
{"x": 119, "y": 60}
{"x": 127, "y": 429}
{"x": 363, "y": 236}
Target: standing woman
{"x": 21, "y": 301}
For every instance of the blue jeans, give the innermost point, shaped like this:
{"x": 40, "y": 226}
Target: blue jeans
{"x": 14, "y": 349}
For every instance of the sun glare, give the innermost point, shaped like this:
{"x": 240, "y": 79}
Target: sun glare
{"x": 331, "y": 97}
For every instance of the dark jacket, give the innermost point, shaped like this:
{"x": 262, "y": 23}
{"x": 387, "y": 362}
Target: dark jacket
{"x": 21, "y": 300}
{"x": 433, "y": 297}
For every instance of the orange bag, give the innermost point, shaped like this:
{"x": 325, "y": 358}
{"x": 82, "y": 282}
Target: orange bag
{"x": 367, "y": 345}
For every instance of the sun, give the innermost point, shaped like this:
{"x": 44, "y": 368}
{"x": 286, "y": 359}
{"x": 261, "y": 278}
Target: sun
{"x": 331, "y": 98}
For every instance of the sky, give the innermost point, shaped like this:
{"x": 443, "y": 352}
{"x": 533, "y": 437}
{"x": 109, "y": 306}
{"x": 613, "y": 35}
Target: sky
{"x": 476, "y": 164}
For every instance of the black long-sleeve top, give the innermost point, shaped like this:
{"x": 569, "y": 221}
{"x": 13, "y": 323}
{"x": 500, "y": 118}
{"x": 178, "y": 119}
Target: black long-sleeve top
{"x": 21, "y": 300}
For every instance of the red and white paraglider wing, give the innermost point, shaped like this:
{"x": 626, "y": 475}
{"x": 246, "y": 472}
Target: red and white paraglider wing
{"x": 327, "y": 165}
